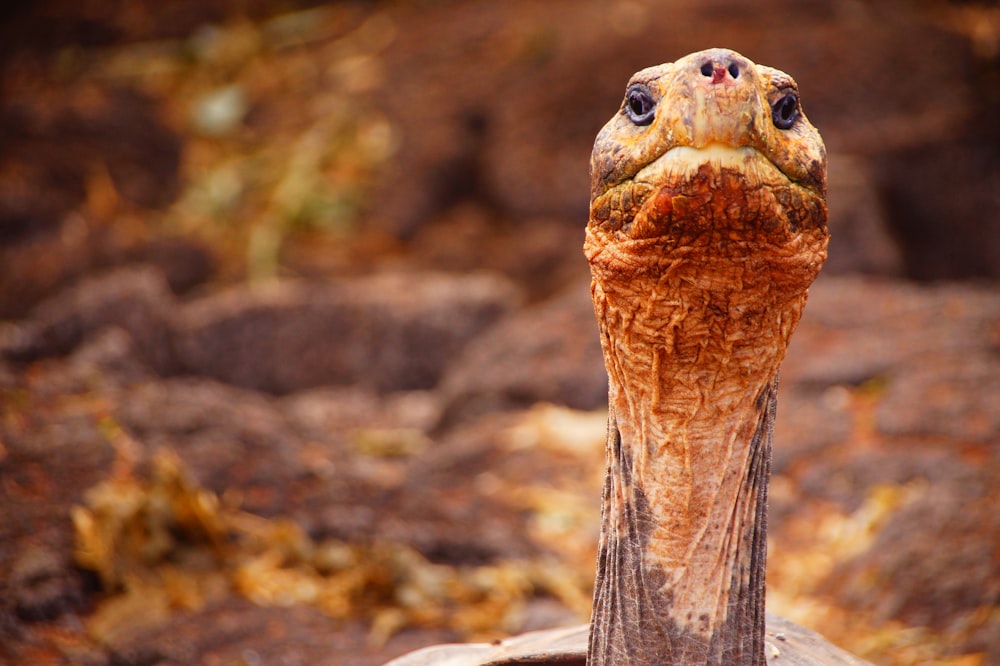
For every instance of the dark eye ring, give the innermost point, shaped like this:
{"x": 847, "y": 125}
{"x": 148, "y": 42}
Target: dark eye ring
{"x": 640, "y": 105}
{"x": 785, "y": 110}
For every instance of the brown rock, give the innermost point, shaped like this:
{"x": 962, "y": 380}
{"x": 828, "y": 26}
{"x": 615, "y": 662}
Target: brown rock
{"x": 388, "y": 332}
{"x": 136, "y": 299}
{"x": 549, "y": 352}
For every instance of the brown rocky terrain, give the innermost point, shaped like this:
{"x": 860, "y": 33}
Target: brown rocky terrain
{"x": 298, "y": 363}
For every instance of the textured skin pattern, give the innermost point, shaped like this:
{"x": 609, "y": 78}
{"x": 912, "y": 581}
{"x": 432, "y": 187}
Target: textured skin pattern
{"x": 707, "y": 226}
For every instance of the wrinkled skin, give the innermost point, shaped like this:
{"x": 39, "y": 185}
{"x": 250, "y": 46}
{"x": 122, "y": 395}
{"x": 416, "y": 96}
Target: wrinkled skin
{"x": 707, "y": 226}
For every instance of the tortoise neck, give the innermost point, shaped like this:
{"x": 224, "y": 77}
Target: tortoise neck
{"x": 680, "y": 576}
{"x": 692, "y": 363}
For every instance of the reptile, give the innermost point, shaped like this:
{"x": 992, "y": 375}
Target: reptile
{"x": 708, "y": 223}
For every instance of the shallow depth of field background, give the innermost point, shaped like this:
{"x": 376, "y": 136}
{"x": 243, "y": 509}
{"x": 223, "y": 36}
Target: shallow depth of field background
{"x": 297, "y": 360}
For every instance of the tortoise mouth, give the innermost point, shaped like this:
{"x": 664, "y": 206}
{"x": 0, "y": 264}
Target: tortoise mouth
{"x": 683, "y": 162}
{"x": 719, "y": 190}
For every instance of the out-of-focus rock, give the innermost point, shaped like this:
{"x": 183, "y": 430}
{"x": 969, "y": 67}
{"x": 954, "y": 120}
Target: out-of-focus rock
{"x": 548, "y": 352}
{"x": 35, "y": 268}
{"x": 934, "y": 561}
{"x": 231, "y": 437}
{"x": 809, "y": 420}
{"x": 387, "y": 332}
{"x": 887, "y": 362}
{"x": 336, "y": 412}
{"x": 858, "y": 329}
{"x": 246, "y": 633}
{"x": 136, "y": 299}
{"x": 946, "y": 396}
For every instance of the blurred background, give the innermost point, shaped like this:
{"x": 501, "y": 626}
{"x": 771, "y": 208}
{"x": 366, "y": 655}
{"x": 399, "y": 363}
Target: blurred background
{"x": 297, "y": 358}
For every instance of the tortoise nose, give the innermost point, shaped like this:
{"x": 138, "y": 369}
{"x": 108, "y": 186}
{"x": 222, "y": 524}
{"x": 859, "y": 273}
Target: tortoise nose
{"x": 719, "y": 69}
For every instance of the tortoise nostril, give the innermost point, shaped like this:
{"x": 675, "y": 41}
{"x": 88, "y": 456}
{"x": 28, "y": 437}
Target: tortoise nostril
{"x": 718, "y": 69}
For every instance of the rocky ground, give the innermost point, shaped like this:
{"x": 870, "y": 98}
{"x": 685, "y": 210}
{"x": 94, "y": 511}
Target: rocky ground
{"x": 297, "y": 360}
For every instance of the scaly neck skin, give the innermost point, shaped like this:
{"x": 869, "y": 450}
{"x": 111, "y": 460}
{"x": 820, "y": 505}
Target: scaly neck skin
{"x": 693, "y": 363}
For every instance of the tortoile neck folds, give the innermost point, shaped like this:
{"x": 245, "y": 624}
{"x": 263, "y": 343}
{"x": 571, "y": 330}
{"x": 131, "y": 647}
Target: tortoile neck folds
{"x": 692, "y": 385}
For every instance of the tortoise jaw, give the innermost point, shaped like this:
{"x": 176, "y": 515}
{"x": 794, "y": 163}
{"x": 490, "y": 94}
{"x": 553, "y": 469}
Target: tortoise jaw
{"x": 687, "y": 195}
{"x": 682, "y": 162}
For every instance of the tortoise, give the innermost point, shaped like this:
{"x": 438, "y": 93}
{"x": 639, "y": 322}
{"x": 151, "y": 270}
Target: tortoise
{"x": 707, "y": 227}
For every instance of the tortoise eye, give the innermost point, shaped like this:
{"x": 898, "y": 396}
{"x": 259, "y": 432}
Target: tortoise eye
{"x": 785, "y": 110}
{"x": 640, "y": 105}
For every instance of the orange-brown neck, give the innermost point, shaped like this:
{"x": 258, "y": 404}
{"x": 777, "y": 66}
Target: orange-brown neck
{"x": 694, "y": 328}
